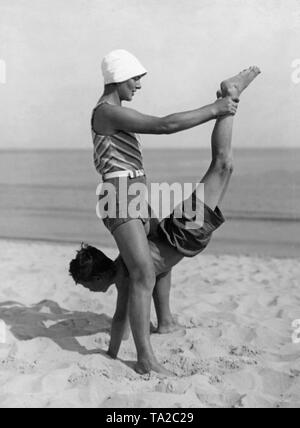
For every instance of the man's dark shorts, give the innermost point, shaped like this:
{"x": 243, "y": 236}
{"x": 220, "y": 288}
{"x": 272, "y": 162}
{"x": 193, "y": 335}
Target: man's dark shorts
{"x": 190, "y": 241}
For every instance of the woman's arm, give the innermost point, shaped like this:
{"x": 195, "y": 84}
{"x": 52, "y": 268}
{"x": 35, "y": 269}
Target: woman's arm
{"x": 117, "y": 118}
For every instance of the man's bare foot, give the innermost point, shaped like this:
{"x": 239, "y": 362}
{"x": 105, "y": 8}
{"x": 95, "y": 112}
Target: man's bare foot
{"x": 236, "y": 85}
{"x": 146, "y": 367}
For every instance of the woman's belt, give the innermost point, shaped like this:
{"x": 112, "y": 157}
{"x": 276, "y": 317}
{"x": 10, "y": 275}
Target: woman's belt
{"x": 120, "y": 174}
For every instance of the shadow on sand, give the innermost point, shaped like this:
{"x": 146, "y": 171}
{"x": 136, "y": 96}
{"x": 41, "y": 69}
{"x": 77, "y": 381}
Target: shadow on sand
{"x": 48, "y": 319}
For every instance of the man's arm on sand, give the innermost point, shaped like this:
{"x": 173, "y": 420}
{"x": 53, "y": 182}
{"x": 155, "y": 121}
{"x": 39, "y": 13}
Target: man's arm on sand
{"x": 120, "y": 324}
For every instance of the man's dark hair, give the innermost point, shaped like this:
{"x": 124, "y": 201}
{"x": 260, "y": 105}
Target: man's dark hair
{"x": 88, "y": 263}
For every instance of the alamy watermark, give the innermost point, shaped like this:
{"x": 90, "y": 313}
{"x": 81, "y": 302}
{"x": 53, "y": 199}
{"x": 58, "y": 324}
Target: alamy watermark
{"x": 133, "y": 200}
{"x": 296, "y": 73}
{"x": 2, "y": 72}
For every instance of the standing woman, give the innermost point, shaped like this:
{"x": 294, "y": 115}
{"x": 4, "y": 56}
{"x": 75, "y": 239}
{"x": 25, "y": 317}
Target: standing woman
{"x": 118, "y": 158}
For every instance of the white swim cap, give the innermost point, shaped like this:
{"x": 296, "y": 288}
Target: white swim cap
{"x": 119, "y": 66}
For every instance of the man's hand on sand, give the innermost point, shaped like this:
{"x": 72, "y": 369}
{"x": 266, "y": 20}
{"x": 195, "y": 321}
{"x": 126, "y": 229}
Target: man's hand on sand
{"x": 171, "y": 326}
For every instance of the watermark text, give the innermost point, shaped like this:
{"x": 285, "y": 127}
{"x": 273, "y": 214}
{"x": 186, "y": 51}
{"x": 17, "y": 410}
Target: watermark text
{"x": 126, "y": 200}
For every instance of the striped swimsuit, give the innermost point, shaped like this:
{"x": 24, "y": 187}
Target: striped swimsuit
{"x": 119, "y": 152}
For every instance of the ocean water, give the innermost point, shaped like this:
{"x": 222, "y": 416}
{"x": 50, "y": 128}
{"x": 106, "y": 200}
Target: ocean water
{"x": 51, "y": 195}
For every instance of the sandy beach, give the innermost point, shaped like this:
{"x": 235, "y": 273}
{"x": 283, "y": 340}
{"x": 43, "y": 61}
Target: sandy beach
{"x": 236, "y": 350}
{"x": 239, "y": 301}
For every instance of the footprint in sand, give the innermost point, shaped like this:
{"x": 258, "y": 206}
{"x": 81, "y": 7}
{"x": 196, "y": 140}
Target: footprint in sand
{"x": 179, "y": 387}
{"x": 274, "y": 302}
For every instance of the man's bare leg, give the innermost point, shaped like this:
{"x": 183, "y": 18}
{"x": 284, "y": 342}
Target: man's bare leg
{"x": 216, "y": 183}
{"x": 226, "y": 185}
{"x": 217, "y": 178}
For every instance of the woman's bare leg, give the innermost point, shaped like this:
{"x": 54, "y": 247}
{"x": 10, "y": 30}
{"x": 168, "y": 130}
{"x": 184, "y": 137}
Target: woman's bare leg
{"x": 134, "y": 248}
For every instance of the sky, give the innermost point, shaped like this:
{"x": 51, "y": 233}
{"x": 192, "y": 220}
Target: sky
{"x": 52, "y": 51}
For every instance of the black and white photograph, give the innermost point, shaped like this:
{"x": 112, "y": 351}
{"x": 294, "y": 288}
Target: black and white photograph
{"x": 150, "y": 206}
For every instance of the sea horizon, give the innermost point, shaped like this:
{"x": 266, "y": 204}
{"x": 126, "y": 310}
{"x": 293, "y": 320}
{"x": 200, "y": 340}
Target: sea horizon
{"x": 146, "y": 148}
{"x": 51, "y": 195}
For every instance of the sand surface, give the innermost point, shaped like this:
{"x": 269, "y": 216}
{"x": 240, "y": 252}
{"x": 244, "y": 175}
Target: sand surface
{"x": 236, "y": 350}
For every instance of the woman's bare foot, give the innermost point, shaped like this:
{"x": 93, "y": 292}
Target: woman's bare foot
{"x": 146, "y": 367}
{"x": 236, "y": 85}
